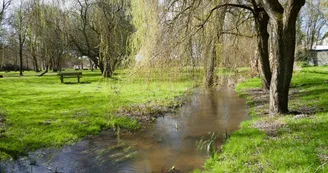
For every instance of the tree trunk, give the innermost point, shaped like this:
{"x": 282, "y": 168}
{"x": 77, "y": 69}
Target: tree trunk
{"x": 91, "y": 65}
{"x": 101, "y": 66}
{"x": 261, "y": 22}
{"x": 46, "y": 71}
{"x": 35, "y": 62}
{"x": 210, "y": 65}
{"x": 3, "y": 57}
{"x": 20, "y": 58}
{"x": 108, "y": 71}
{"x": 36, "y": 65}
{"x": 282, "y": 71}
{"x": 46, "y": 68}
{"x": 218, "y": 26}
{"x": 283, "y": 34}
{"x": 27, "y": 65}
{"x": 16, "y": 62}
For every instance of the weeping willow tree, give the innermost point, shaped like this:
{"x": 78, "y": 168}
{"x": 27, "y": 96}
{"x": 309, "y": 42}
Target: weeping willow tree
{"x": 53, "y": 42}
{"x": 143, "y": 42}
{"x": 156, "y": 44}
{"x": 183, "y": 37}
{"x": 34, "y": 33}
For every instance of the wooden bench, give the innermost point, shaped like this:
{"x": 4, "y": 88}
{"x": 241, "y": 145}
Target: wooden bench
{"x": 63, "y": 75}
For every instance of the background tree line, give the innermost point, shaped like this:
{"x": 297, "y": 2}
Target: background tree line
{"x": 196, "y": 36}
{"x": 50, "y": 35}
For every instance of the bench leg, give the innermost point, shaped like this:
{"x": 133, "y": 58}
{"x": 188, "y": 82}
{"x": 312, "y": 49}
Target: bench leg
{"x": 78, "y": 79}
{"x": 62, "y": 79}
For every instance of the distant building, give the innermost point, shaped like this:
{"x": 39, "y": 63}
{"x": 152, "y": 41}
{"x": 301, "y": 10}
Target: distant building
{"x": 83, "y": 63}
{"x": 319, "y": 54}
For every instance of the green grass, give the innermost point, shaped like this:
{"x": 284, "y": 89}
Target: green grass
{"x": 41, "y": 112}
{"x": 299, "y": 145}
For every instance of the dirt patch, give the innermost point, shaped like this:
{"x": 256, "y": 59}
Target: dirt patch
{"x": 323, "y": 154}
{"x": 300, "y": 116}
{"x": 323, "y": 158}
{"x": 149, "y": 111}
{"x": 269, "y": 126}
{"x": 260, "y": 103}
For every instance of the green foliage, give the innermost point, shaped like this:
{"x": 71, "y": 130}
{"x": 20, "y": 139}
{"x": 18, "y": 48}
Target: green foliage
{"x": 42, "y": 112}
{"x": 145, "y": 20}
{"x": 299, "y": 145}
{"x": 303, "y": 64}
{"x": 249, "y": 83}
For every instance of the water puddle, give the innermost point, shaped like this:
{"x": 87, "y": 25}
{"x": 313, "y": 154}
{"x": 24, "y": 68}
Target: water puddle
{"x": 170, "y": 141}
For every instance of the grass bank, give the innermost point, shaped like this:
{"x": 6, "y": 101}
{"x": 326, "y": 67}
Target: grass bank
{"x": 37, "y": 112}
{"x": 289, "y": 143}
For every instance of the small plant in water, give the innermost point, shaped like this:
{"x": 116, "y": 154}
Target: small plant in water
{"x": 208, "y": 145}
{"x": 118, "y": 134}
{"x": 226, "y": 135}
{"x": 117, "y": 130}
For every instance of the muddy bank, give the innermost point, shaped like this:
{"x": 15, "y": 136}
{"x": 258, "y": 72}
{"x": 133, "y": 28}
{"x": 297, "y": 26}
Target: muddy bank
{"x": 148, "y": 112}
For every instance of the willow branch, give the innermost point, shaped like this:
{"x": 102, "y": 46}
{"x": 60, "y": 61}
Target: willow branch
{"x": 225, "y": 5}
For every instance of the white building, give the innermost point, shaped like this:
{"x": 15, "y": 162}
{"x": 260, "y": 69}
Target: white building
{"x": 319, "y": 54}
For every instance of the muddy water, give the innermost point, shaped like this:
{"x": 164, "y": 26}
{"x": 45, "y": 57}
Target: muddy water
{"x": 170, "y": 141}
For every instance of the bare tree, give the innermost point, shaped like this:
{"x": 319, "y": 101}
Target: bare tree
{"x": 4, "y": 7}
{"x": 19, "y": 24}
{"x": 313, "y": 24}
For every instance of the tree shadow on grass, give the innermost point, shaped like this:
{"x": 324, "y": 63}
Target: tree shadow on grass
{"x": 304, "y": 150}
{"x": 317, "y": 72}
{"x": 76, "y": 83}
{"x": 13, "y": 153}
{"x": 317, "y": 97}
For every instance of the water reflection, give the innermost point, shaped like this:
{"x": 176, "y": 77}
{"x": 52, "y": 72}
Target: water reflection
{"x": 171, "y": 141}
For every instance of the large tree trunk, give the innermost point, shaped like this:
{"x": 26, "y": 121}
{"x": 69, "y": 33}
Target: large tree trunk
{"x": 284, "y": 33}
{"x": 261, "y": 22}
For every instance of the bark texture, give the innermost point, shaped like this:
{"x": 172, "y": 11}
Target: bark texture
{"x": 261, "y": 23}
{"x": 108, "y": 70}
{"x": 209, "y": 78}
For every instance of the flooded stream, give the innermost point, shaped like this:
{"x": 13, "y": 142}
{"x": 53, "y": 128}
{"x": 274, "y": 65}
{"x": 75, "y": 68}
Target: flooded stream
{"x": 170, "y": 141}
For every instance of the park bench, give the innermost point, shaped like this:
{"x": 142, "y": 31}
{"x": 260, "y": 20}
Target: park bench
{"x": 63, "y": 75}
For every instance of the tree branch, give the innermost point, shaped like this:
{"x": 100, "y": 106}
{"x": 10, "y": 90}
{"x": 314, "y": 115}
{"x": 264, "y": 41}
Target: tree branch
{"x": 273, "y": 8}
{"x": 225, "y": 5}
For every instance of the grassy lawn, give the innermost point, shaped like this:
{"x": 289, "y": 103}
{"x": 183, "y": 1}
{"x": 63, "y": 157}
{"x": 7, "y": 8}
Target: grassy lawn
{"x": 38, "y": 112}
{"x": 282, "y": 143}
